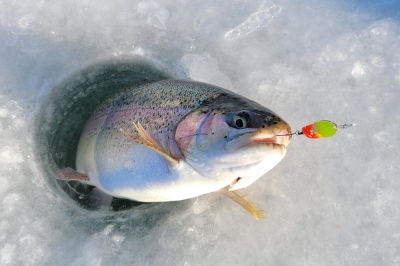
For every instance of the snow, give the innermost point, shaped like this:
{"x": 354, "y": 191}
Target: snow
{"x": 329, "y": 202}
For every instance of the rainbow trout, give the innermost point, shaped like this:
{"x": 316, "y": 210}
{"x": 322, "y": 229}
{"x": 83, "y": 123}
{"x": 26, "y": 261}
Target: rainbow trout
{"x": 173, "y": 140}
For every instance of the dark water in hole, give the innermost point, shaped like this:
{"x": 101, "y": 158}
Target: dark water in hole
{"x": 66, "y": 110}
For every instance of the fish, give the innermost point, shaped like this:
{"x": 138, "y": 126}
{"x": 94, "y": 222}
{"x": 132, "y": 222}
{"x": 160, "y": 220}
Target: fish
{"x": 172, "y": 140}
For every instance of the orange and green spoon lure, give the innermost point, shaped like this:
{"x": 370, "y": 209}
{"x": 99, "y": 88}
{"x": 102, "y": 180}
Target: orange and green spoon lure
{"x": 320, "y": 129}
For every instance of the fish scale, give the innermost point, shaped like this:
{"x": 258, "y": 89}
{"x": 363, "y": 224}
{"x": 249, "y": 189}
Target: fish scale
{"x": 148, "y": 102}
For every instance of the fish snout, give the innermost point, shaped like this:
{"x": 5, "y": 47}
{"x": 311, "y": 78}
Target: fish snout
{"x": 284, "y": 137}
{"x": 279, "y": 133}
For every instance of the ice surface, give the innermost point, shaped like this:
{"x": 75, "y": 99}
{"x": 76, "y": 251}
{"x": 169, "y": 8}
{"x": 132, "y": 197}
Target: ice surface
{"x": 260, "y": 18}
{"x": 329, "y": 202}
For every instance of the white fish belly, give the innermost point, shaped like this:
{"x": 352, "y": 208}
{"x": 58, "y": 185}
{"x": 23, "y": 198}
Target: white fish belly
{"x": 138, "y": 173}
{"x": 85, "y": 159}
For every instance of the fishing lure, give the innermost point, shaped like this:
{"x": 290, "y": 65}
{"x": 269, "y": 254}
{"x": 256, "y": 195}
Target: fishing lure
{"x": 320, "y": 129}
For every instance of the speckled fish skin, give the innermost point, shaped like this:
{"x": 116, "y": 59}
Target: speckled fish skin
{"x": 192, "y": 122}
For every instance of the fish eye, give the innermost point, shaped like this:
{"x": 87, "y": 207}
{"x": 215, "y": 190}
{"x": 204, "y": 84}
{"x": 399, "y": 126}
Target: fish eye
{"x": 240, "y": 121}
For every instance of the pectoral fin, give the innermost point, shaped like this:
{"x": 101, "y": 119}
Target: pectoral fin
{"x": 146, "y": 135}
{"x": 70, "y": 174}
{"x": 149, "y": 141}
{"x": 252, "y": 208}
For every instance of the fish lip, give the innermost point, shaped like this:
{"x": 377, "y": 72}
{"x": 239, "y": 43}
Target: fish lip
{"x": 283, "y": 137}
{"x": 252, "y": 139}
{"x": 268, "y": 144}
{"x": 277, "y": 140}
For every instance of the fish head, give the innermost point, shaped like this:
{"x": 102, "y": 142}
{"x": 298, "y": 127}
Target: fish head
{"x": 233, "y": 140}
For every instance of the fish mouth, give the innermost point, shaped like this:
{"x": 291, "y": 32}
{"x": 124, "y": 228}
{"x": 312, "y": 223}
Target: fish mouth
{"x": 279, "y": 136}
